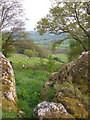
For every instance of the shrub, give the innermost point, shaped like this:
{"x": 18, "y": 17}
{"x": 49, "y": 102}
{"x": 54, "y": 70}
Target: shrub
{"x": 50, "y": 64}
{"x": 29, "y": 53}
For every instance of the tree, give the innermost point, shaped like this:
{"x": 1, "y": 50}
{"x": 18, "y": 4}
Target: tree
{"x": 11, "y": 13}
{"x": 7, "y": 44}
{"x": 29, "y": 53}
{"x": 25, "y": 45}
{"x": 12, "y": 21}
{"x": 67, "y": 17}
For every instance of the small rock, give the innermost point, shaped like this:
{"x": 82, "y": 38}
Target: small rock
{"x": 51, "y": 110}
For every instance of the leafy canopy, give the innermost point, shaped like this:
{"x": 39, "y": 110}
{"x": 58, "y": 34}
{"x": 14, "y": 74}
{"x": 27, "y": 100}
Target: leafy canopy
{"x": 67, "y": 17}
{"x": 11, "y": 23}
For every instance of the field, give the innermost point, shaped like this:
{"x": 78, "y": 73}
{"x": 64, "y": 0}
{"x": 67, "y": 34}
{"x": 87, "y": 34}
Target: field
{"x": 30, "y": 82}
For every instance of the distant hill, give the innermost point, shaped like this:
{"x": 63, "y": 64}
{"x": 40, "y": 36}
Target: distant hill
{"x": 47, "y": 39}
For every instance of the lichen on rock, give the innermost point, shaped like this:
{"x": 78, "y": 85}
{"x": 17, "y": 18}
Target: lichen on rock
{"x": 71, "y": 86}
{"x": 7, "y": 83}
{"x": 51, "y": 110}
{"x": 74, "y": 107}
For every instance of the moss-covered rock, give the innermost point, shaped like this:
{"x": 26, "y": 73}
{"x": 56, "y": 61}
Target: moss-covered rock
{"x": 51, "y": 110}
{"x": 7, "y": 86}
{"x": 74, "y": 107}
{"x": 71, "y": 87}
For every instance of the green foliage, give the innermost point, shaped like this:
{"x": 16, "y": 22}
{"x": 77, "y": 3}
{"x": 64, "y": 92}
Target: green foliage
{"x": 11, "y": 24}
{"x": 61, "y": 57}
{"x": 75, "y": 50}
{"x": 46, "y": 39}
{"x": 10, "y": 42}
{"x": 18, "y": 60}
{"x": 28, "y": 85}
{"x": 6, "y": 115}
{"x": 29, "y": 53}
{"x": 50, "y": 94}
{"x": 50, "y": 64}
{"x": 41, "y": 51}
{"x": 41, "y": 64}
{"x": 57, "y": 43}
{"x": 28, "y": 82}
{"x": 7, "y": 43}
{"x": 22, "y": 46}
{"x": 70, "y": 18}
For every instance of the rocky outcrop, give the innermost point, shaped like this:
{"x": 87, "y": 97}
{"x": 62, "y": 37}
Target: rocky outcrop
{"x": 69, "y": 87}
{"x": 51, "y": 110}
{"x": 7, "y": 86}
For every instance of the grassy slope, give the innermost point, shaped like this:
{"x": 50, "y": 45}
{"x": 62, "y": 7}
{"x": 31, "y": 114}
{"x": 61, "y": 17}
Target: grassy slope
{"x": 47, "y": 39}
{"x": 19, "y": 59}
{"x": 62, "y": 57}
{"x": 28, "y": 83}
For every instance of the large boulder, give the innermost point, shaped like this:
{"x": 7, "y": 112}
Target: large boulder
{"x": 69, "y": 86}
{"x": 51, "y": 110}
{"x": 7, "y": 86}
{"x": 74, "y": 107}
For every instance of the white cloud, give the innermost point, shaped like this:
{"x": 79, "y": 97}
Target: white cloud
{"x": 35, "y": 10}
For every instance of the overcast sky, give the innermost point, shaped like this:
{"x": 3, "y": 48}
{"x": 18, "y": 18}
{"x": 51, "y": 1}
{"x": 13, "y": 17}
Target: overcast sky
{"x": 35, "y": 10}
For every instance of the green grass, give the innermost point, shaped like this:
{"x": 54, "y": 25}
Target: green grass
{"x": 8, "y": 115}
{"x": 62, "y": 57}
{"x": 28, "y": 87}
{"x": 19, "y": 60}
{"x": 23, "y": 59}
{"x": 29, "y": 83}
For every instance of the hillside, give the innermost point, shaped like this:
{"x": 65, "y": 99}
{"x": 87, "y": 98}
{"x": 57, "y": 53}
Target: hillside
{"x": 47, "y": 39}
